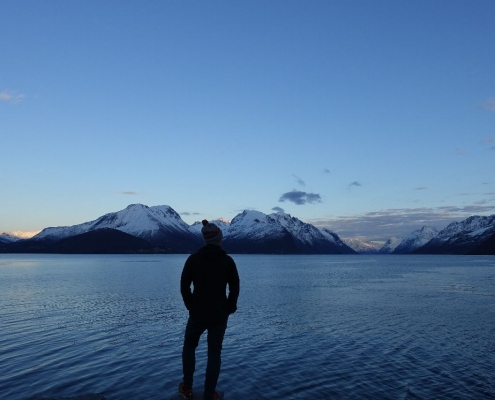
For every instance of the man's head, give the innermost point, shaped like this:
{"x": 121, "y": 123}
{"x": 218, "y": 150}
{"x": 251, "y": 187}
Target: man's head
{"x": 212, "y": 234}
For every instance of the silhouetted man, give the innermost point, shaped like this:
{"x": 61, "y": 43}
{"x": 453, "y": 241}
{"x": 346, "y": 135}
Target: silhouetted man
{"x": 210, "y": 270}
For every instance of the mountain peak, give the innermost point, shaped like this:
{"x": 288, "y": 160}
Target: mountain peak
{"x": 250, "y": 216}
{"x": 136, "y": 205}
{"x": 462, "y": 237}
{"x": 390, "y": 245}
{"x": 415, "y": 240}
{"x": 166, "y": 210}
{"x": 361, "y": 246}
{"x": 157, "y": 224}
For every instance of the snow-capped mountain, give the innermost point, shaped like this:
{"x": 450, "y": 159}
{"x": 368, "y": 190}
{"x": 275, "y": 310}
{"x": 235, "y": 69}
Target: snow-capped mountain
{"x": 251, "y": 232}
{"x": 255, "y": 232}
{"x": 415, "y": 240}
{"x": 8, "y": 237}
{"x": 390, "y": 245}
{"x": 310, "y": 239}
{"x": 361, "y": 246}
{"x": 5, "y": 237}
{"x": 160, "y": 225}
{"x": 461, "y": 237}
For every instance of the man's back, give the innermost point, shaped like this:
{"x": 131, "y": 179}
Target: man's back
{"x": 210, "y": 270}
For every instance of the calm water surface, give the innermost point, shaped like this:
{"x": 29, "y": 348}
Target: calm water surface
{"x": 308, "y": 327}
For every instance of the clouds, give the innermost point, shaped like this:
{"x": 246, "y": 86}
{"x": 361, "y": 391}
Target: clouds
{"x": 381, "y": 225}
{"x": 278, "y": 209}
{"x": 491, "y": 141}
{"x": 489, "y": 104}
{"x": 300, "y": 198}
{"x": 129, "y": 192}
{"x": 299, "y": 180}
{"x": 11, "y": 96}
{"x": 355, "y": 184}
{"x": 190, "y": 213}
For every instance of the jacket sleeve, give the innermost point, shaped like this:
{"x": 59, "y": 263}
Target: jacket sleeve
{"x": 234, "y": 288}
{"x": 186, "y": 279}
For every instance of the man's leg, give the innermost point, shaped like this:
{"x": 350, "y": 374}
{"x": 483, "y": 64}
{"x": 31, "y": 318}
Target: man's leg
{"x": 191, "y": 340}
{"x": 215, "y": 340}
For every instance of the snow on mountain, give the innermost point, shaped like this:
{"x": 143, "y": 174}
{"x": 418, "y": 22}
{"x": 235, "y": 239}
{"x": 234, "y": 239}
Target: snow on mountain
{"x": 255, "y": 225}
{"x": 306, "y": 233}
{"x": 360, "y": 246}
{"x": 160, "y": 225}
{"x": 254, "y": 232}
{"x": 330, "y": 235}
{"x": 249, "y": 232}
{"x": 474, "y": 226}
{"x": 461, "y": 237}
{"x": 5, "y": 238}
{"x": 222, "y": 223}
{"x": 415, "y": 240}
{"x": 309, "y": 238}
{"x": 8, "y": 237}
{"x": 62, "y": 232}
{"x": 390, "y": 245}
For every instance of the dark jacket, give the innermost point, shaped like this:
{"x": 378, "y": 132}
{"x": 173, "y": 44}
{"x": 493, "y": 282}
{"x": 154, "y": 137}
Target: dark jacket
{"x": 210, "y": 270}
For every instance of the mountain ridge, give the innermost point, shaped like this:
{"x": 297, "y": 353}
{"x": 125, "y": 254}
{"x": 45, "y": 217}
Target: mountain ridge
{"x": 252, "y": 232}
{"x": 461, "y": 237}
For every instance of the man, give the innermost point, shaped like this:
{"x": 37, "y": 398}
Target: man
{"x": 210, "y": 270}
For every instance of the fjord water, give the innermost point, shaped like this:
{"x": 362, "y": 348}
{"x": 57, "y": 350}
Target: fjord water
{"x": 307, "y": 327}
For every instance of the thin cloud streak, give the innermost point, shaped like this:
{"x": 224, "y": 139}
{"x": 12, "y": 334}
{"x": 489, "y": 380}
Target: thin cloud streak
{"x": 299, "y": 180}
{"x": 489, "y": 104}
{"x": 489, "y": 140}
{"x": 11, "y": 96}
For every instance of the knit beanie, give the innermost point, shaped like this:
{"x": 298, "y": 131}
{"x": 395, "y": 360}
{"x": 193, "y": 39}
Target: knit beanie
{"x": 211, "y": 232}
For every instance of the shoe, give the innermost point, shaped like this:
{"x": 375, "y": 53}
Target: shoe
{"x": 185, "y": 393}
{"x": 216, "y": 396}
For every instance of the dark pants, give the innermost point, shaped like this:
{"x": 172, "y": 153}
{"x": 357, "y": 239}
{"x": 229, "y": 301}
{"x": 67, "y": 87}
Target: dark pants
{"x": 194, "y": 331}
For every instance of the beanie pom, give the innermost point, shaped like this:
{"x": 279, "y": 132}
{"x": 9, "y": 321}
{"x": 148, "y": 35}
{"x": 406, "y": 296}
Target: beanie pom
{"x": 204, "y": 222}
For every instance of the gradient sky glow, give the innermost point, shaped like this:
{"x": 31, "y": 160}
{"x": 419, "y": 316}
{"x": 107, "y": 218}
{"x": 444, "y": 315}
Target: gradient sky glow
{"x": 371, "y": 118}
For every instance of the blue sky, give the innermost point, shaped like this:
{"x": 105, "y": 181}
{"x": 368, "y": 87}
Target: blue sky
{"x": 371, "y": 118}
